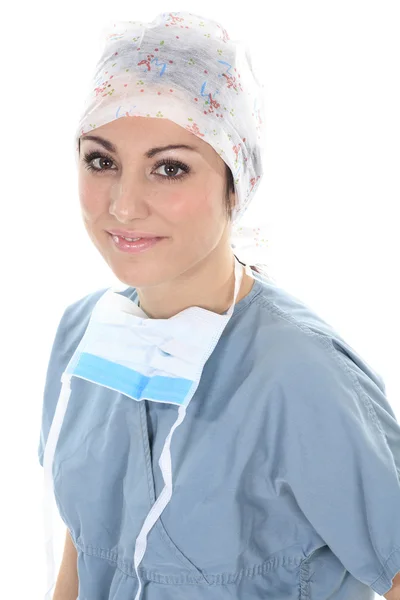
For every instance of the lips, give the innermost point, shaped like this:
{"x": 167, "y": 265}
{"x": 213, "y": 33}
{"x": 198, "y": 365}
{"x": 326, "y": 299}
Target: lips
{"x": 135, "y": 247}
{"x": 133, "y": 234}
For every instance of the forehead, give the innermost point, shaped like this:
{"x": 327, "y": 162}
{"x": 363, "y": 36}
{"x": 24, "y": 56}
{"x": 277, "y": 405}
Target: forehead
{"x": 139, "y": 130}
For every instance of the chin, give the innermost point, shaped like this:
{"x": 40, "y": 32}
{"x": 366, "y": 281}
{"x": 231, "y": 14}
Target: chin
{"x": 134, "y": 275}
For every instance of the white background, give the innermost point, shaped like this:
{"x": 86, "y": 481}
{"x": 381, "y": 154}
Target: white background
{"x": 329, "y": 197}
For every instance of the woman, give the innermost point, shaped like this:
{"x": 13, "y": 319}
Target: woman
{"x": 206, "y": 449}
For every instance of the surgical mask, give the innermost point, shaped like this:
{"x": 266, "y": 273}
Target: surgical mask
{"x": 160, "y": 360}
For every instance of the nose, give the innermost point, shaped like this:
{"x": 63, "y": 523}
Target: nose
{"x": 128, "y": 200}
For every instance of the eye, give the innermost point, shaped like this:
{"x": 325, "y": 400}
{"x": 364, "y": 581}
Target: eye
{"x": 171, "y": 164}
{"x": 91, "y": 156}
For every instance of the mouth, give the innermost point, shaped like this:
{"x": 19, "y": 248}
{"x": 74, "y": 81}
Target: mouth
{"x": 134, "y": 239}
{"x": 134, "y": 246}
{"x": 133, "y": 235}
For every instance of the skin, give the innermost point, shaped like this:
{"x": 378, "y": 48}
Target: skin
{"x": 194, "y": 266}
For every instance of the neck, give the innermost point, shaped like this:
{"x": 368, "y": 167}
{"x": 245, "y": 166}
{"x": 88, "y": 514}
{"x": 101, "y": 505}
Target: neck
{"x": 209, "y": 285}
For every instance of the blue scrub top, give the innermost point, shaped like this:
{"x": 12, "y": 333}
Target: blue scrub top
{"x": 285, "y": 469}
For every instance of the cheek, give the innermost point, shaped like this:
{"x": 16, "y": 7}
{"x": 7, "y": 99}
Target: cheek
{"x": 190, "y": 205}
{"x": 195, "y": 216}
{"x": 91, "y": 198}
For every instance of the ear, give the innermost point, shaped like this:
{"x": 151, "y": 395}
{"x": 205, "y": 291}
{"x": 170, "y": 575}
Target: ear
{"x": 232, "y": 199}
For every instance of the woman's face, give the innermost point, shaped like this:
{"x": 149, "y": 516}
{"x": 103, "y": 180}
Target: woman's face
{"x": 182, "y": 202}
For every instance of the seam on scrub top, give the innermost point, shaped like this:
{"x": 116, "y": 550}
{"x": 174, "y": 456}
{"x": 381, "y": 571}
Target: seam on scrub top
{"x": 147, "y": 458}
{"x": 384, "y": 572}
{"x": 159, "y": 526}
{"x": 304, "y": 573}
{"x": 326, "y": 343}
{"x": 364, "y": 398}
{"x": 129, "y": 571}
{"x": 224, "y": 578}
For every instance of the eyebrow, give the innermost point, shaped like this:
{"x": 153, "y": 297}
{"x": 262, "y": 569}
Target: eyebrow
{"x": 149, "y": 154}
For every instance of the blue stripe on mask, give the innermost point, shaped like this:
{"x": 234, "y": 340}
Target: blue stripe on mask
{"x": 131, "y": 382}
